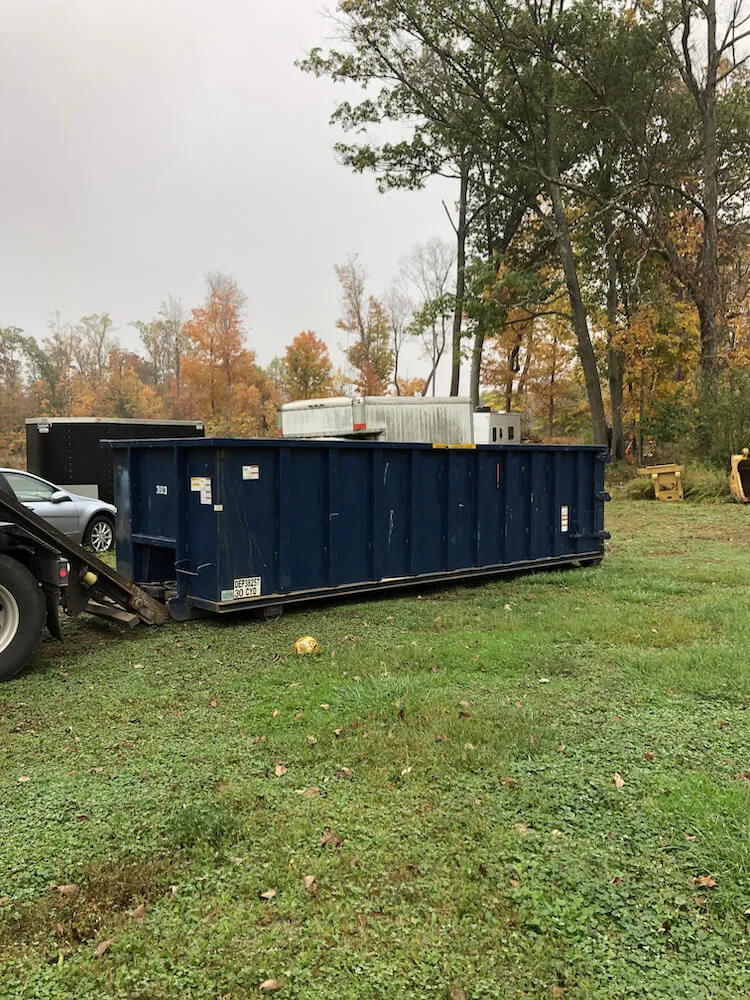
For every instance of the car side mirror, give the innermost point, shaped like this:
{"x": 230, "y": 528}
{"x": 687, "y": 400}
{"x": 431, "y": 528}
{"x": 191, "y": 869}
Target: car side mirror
{"x": 60, "y": 496}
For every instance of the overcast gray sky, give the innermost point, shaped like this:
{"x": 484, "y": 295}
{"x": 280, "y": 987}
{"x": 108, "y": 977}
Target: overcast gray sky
{"x": 146, "y": 142}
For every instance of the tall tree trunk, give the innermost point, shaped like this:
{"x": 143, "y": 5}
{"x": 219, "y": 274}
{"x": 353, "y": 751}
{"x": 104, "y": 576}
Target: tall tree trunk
{"x": 641, "y": 411}
{"x": 570, "y": 271}
{"x": 708, "y": 310}
{"x": 458, "y": 309}
{"x": 476, "y": 364}
{"x": 551, "y": 407}
{"x": 615, "y": 358}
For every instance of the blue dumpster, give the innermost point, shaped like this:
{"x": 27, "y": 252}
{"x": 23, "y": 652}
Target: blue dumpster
{"x": 226, "y": 525}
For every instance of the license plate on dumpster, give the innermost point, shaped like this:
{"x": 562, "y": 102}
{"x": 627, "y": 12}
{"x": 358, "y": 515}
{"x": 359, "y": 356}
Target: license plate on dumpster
{"x": 246, "y": 586}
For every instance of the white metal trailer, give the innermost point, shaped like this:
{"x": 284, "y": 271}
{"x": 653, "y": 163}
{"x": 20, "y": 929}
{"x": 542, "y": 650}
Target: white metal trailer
{"x": 432, "y": 420}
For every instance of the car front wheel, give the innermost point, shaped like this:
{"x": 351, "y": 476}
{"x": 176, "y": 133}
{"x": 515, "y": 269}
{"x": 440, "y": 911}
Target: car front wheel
{"x": 100, "y": 534}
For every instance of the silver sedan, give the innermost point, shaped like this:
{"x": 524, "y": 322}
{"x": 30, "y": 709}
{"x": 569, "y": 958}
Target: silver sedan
{"x": 90, "y": 522}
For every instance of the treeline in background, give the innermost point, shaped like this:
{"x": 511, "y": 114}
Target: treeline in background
{"x": 598, "y": 276}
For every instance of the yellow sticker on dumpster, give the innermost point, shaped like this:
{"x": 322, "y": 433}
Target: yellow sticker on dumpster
{"x": 246, "y": 586}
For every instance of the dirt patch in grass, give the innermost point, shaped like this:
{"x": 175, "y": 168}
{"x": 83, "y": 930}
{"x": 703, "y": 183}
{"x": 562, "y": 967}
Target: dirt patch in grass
{"x": 102, "y": 898}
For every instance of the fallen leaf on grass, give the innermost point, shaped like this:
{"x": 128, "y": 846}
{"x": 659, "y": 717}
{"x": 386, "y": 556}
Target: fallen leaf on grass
{"x": 556, "y": 833}
{"x": 464, "y": 704}
{"x": 743, "y": 775}
{"x": 23, "y": 778}
{"x": 705, "y": 881}
{"x": 139, "y": 912}
{"x": 311, "y": 741}
{"x": 469, "y": 746}
{"x": 457, "y": 994}
{"x": 509, "y": 781}
{"x": 270, "y": 985}
{"x": 344, "y": 772}
{"x": 308, "y": 793}
{"x": 618, "y": 780}
{"x": 276, "y": 713}
{"x": 507, "y": 607}
{"x": 361, "y": 920}
{"x": 310, "y": 883}
{"x": 688, "y": 836}
{"x": 725, "y": 725}
{"x": 617, "y": 881}
{"x": 279, "y": 770}
{"x": 648, "y": 756}
{"x": 558, "y": 991}
{"x": 521, "y": 828}
{"x": 329, "y": 837}
{"x": 700, "y": 901}
{"x": 268, "y": 894}
{"x": 338, "y": 732}
{"x": 213, "y": 703}
{"x": 406, "y": 770}
{"x": 103, "y": 947}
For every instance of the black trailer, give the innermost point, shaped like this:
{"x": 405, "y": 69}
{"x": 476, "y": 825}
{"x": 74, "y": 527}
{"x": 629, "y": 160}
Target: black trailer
{"x": 67, "y": 450}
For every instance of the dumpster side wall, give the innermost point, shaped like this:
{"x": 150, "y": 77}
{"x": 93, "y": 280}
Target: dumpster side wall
{"x": 252, "y": 523}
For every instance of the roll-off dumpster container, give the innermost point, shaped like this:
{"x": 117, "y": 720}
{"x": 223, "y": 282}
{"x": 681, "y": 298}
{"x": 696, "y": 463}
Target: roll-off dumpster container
{"x": 238, "y": 524}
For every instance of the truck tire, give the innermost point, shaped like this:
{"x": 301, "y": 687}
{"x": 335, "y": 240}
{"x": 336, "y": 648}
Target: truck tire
{"x": 21, "y": 617}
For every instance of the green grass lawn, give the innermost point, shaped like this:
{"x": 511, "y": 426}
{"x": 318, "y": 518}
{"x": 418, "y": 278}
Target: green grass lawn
{"x": 537, "y": 787}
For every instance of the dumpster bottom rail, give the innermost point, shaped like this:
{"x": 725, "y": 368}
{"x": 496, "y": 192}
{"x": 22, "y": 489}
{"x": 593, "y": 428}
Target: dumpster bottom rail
{"x": 196, "y": 607}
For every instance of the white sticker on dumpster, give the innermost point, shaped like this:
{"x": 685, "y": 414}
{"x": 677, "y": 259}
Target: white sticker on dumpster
{"x": 251, "y": 472}
{"x": 202, "y": 485}
{"x": 247, "y": 586}
{"x": 563, "y": 519}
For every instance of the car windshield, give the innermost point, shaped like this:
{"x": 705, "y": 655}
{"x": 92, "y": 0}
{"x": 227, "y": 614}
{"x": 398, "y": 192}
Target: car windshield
{"x": 27, "y": 488}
